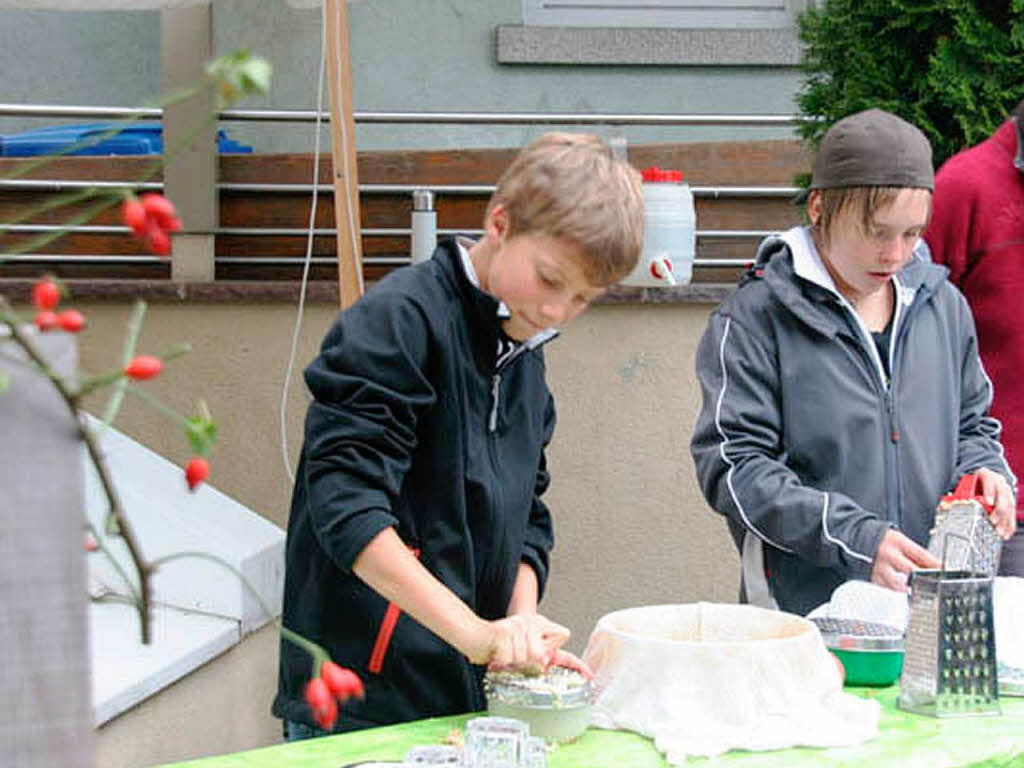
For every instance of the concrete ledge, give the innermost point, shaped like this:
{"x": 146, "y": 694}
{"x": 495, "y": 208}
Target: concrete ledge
{"x": 168, "y": 520}
{"x": 519, "y": 44}
{"x": 126, "y": 672}
{"x": 699, "y": 293}
{"x": 318, "y": 292}
{"x": 199, "y": 608}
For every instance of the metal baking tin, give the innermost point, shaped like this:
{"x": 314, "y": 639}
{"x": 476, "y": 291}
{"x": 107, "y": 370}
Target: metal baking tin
{"x": 857, "y": 635}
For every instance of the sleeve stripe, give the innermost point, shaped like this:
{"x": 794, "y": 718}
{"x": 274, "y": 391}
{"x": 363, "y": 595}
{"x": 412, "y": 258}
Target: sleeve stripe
{"x": 725, "y": 440}
{"x": 838, "y": 542}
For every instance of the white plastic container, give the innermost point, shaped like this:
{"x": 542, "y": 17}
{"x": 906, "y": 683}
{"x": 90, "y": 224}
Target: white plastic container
{"x": 670, "y": 224}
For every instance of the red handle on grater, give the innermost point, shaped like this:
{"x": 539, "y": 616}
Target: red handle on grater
{"x": 969, "y": 489}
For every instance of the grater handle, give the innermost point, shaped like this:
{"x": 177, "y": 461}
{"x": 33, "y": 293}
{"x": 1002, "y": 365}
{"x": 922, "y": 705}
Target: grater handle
{"x": 968, "y": 487}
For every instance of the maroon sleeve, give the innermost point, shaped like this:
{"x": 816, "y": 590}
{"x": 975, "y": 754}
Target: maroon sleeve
{"x": 954, "y": 208}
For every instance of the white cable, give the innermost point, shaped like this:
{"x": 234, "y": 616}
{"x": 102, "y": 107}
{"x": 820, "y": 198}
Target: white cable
{"x": 309, "y": 250}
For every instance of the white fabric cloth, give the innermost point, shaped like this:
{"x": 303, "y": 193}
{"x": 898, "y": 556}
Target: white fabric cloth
{"x": 704, "y": 678}
{"x": 865, "y": 601}
{"x": 1008, "y": 619}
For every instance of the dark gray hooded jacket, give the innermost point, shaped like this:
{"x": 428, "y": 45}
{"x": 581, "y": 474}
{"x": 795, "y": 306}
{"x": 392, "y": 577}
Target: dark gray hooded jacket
{"x": 803, "y": 443}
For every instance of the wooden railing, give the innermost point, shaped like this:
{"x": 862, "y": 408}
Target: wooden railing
{"x": 742, "y": 190}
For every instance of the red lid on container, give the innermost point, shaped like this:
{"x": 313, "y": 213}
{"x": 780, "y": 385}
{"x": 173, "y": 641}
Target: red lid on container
{"x": 656, "y": 174}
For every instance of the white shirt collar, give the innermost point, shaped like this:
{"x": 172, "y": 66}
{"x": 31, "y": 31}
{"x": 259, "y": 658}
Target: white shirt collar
{"x": 471, "y": 275}
{"x": 467, "y": 264}
{"x": 807, "y": 261}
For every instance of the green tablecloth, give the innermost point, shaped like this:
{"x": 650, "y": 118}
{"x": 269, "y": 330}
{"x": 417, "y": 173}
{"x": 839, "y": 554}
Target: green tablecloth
{"x": 904, "y": 739}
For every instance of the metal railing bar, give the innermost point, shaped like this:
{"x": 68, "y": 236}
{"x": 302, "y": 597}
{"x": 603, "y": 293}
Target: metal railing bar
{"x": 324, "y": 231}
{"x": 521, "y": 118}
{"x": 88, "y": 229}
{"x": 367, "y": 189}
{"x": 419, "y": 118}
{"x": 63, "y": 185}
{"x": 719, "y": 192}
{"x": 68, "y": 110}
{"x": 238, "y": 231}
{"x": 487, "y": 189}
{"x": 59, "y": 185}
{"x": 299, "y": 260}
{"x": 712, "y": 263}
{"x": 401, "y": 260}
{"x": 721, "y": 234}
{"x": 58, "y": 258}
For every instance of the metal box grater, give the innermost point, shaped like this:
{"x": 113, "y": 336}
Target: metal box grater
{"x": 963, "y": 536}
{"x": 949, "y": 668}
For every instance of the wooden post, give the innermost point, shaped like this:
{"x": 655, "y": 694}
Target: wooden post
{"x": 343, "y": 153}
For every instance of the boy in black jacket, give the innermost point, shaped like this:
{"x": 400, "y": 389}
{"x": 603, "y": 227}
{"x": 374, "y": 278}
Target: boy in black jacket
{"x": 417, "y": 542}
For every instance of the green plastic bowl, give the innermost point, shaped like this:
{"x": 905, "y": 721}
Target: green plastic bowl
{"x": 872, "y": 654}
{"x": 870, "y": 667}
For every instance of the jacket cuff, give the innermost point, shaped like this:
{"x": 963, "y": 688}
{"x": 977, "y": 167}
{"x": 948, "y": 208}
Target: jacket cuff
{"x": 344, "y": 544}
{"x": 871, "y": 535}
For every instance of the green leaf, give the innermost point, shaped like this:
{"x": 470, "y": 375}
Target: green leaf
{"x": 255, "y": 76}
{"x": 237, "y": 74}
{"x": 5, "y": 382}
{"x": 201, "y": 433}
{"x": 954, "y": 68}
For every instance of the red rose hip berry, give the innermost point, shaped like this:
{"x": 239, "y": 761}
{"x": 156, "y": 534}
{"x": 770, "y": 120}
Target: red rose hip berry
{"x": 143, "y": 367}
{"x": 196, "y": 471}
{"x": 45, "y": 295}
{"x": 323, "y": 705}
{"x": 134, "y": 216}
{"x": 342, "y": 682}
{"x": 45, "y": 320}
{"x": 71, "y": 320}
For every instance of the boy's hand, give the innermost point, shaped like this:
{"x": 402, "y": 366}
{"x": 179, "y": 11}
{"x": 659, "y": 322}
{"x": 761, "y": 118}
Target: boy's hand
{"x": 572, "y": 661}
{"x": 523, "y": 640}
{"x": 999, "y": 495}
{"x": 897, "y": 556}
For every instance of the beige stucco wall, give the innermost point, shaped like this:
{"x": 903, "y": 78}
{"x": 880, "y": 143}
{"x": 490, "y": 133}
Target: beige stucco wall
{"x": 221, "y": 707}
{"x": 631, "y": 526}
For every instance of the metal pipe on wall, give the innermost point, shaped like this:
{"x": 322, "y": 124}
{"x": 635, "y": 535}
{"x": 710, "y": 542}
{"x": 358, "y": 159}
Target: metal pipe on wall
{"x": 453, "y": 118}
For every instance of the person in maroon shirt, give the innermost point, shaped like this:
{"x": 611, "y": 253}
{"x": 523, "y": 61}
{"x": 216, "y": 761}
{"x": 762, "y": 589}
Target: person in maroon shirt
{"x": 977, "y": 230}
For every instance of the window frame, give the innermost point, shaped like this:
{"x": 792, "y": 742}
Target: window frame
{"x": 662, "y": 14}
{"x": 634, "y": 44}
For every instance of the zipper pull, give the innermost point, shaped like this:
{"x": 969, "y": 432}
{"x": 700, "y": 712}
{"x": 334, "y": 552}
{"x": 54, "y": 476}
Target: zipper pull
{"x": 492, "y": 422}
{"x": 894, "y": 433}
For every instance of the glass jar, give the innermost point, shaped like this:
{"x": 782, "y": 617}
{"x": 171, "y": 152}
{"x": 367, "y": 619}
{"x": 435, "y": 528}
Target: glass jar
{"x": 555, "y": 705}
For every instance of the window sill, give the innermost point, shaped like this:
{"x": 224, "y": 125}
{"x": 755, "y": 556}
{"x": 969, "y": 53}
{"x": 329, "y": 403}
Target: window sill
{"x": 519, "y": 44}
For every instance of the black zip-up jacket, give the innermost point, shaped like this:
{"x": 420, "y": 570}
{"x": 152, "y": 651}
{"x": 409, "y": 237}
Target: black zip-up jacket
{"x": 411, "y": 426}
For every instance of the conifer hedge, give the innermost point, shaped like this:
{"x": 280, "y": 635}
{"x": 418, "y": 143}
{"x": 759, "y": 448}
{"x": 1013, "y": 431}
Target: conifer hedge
{"x": 954, "y": 68}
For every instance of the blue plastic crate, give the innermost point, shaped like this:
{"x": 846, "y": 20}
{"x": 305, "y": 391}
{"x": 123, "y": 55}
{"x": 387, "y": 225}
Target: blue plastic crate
{"x": 144, "y": 138}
